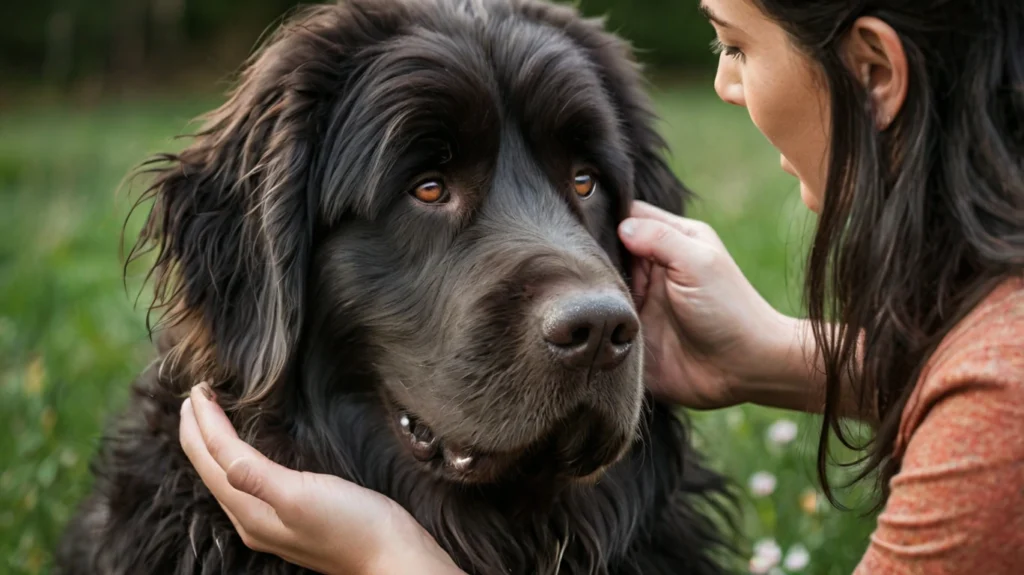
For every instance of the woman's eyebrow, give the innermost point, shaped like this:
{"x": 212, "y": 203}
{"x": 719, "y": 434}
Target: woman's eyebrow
{"x": 711, "y": 16}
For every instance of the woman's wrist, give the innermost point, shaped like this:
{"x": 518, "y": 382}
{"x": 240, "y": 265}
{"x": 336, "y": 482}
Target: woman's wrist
{"x": 400, "y": 563}
{"x": 793, "y": 376}
{"x": 412, "y": 550}
{"x": 784, "y": 374}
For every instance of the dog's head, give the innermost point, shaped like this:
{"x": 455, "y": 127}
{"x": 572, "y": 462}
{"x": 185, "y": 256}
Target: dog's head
{"x": 426, "y": 194}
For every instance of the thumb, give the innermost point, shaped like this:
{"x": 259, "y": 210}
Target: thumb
{"x": 261, "y": 478}
{"x": 665, "y": 245}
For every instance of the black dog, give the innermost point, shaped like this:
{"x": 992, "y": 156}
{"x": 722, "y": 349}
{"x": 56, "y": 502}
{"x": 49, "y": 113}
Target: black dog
{"x": 393, "y": 251}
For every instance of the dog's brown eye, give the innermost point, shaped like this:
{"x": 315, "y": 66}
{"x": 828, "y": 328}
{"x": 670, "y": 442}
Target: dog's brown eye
{"x": 584, "y": 184}
{"x": 431, "y": 192}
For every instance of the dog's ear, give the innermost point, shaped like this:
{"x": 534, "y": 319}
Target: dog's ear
{"x": 234, "y": 213}
{"x": 654, "y": 181}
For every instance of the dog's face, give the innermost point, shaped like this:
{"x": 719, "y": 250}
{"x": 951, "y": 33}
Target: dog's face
{"x": 486, "y": 281}
{"x": 437, "y": 184}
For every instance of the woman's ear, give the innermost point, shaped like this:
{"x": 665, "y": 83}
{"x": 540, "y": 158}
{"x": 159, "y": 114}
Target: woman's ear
{"x": 874, "y": 52}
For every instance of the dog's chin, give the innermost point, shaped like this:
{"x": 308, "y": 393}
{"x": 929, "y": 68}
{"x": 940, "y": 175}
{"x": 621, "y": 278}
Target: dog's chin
{"x": 547, "y": 460}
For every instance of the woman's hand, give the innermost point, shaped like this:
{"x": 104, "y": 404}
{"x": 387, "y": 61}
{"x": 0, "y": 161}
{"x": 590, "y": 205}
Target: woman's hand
{"x": 708, "y": 333}
{"x": 319, "y": 522}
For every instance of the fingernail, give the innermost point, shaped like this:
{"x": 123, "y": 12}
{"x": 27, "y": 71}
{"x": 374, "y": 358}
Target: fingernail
{"x": 207, "y": 392}
{"x": 628, "y": 228}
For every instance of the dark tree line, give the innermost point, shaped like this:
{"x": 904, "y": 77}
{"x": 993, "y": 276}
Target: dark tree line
{"x": 59, "y": 41}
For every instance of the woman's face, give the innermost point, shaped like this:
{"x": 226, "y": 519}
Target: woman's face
{"x": 761, "y": 70}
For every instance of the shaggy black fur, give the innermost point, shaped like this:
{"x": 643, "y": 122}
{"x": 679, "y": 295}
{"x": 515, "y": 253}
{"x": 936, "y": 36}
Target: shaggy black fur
{"x": 323, "y": 300}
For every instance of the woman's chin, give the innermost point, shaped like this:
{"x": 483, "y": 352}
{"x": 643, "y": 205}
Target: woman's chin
{"x": 810, "y": 199}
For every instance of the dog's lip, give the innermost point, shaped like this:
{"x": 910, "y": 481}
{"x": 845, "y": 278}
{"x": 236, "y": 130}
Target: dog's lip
{"x": 420, "y": 437}
{"x": 427, "y": 447}
{"x": 470, "y": 464}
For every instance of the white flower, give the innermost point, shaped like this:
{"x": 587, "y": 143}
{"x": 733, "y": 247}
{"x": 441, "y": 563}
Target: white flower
{"x": 769, "y": 549}
{"x": 782, "y": 432}
{"x": 797, "y": 558}
{"x": 767, "y": 555}
{"x": 762, "y": 483}
{"x": 759, "y": 565}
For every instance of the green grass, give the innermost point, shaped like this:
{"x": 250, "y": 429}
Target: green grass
{"x": 71, "y": 339}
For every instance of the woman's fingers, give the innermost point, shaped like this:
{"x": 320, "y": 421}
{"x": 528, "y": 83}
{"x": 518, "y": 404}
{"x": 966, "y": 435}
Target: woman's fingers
{"x": 320, "y": 522}
{"x": 247, "y": 470}
{"x": 219, "y": 435}
{"x": 254, "y": 519}
{"x": 658, "y": 295}
{"x": 694, "y": 228}
{"x": 640, "y": 281}
{"x": 665, "y": 245}
{"x": 281, "y": 488}
{"x": 192, "y": 443}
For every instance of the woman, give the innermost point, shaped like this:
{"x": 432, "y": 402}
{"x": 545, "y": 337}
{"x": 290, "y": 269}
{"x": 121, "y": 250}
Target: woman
{"x": 904, "y": 122}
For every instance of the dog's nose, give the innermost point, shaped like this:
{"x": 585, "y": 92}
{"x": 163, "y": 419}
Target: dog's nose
{"x": 590, "y": 328}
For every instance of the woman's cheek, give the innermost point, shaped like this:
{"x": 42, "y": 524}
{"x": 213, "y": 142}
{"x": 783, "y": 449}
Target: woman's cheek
{"x": 771, "y": 113}
{"x": 789, "y": 113}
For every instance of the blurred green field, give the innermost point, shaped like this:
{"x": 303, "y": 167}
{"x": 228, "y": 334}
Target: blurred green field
{"x": 71, "y": 338}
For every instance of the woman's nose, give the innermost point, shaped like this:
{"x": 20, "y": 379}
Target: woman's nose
{"x": 728, "y": 84}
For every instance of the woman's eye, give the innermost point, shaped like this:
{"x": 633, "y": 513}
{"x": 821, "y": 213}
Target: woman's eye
{"x": 431, "y": 192}
{"x": 732, "y": 51}
{"x": 584, "y": 184}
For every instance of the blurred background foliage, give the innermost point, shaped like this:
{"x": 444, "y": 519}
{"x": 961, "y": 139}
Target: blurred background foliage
{"x": 83, "y": 43}
{"x": 89, "y": 88}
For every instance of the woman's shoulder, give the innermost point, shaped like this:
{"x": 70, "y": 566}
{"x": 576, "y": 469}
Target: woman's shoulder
{"x": 956, "y": 504}
{"x": 980, "y": 363}
{"x": 988, "y": 342}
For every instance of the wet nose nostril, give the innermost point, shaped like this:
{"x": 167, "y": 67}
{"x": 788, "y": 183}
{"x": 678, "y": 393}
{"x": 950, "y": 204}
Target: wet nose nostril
{"x": 591, "y": 328}
{"x": 580, "y": 336}
{"x": 624, "y": 333}
{"x": 567, "y": 335}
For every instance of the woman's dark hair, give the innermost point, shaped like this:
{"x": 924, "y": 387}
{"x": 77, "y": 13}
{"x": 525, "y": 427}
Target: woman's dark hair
{"x": 922, "y": 220}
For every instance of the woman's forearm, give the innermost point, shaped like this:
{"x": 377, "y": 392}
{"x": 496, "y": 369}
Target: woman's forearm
{"x": 795, "y": 380}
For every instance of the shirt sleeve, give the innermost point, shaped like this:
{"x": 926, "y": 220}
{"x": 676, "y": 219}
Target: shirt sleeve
{"x": 957, "y": 504}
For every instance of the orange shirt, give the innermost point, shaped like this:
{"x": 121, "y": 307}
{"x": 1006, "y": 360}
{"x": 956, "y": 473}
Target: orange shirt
{"x": 957, "y": 504}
